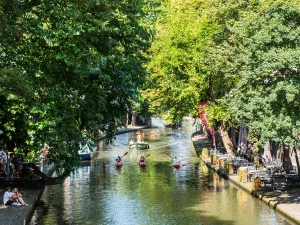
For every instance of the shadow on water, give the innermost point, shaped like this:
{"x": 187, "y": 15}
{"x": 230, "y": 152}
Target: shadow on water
{"x": 159, "y": 194}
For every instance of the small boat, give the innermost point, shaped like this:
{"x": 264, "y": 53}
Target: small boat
{"x": 176, "y": 165}
{"x": 119, "y": 164}
{"x": 139, "y": 146}
{"x": 84, "y": 155}
{"x": 142, "y": 164}
{"x": 86, "y": 150}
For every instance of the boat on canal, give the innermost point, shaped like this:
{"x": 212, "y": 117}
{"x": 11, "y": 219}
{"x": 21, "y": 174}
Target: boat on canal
{"x": 119, "y": 164}
{"x": 139, "y": 145}
{"x": 176, "y": 165}
{"x": 86, "y": 151}
{"x": 142, "y": 164}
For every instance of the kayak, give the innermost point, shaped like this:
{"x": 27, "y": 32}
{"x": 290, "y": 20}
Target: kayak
{"x": 142, "y": 164}
{"x": 176, "y": 165}
{"x": 119, "y": 164}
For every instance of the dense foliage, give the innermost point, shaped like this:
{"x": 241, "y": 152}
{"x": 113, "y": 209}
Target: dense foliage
{"x": 242, "y": 57}
{"x": 68, "y": 66}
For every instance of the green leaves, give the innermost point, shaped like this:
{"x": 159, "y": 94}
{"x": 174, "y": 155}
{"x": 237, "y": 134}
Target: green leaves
{"x": 267, "y": 94}
{"x": 189, "y": 61}
{"x": 241, "y": 57}
{"x": 65, "y": 67}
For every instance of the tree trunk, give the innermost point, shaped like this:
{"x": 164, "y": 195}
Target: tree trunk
{"x": 274, "y": 150}
{"x": 267, "y": 152}
{"x": 50, "y": 180}
{"x": 287, "y": 163}
{"x": 297, "y": 160}
{"x": 226, "y": 141}
{"x": 133, "y": 120}
{"x": 127, "y": 118}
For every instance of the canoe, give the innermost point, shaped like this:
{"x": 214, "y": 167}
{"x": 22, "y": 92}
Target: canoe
{"x": 176, "y": 165}
{"x": 119, "y": 164}
{"x": 142, "y": 164}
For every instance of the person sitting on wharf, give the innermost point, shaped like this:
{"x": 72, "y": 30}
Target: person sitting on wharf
{"x": 119, "y": 159}
{"x": 19, "y": 196}
{"x": 142, "y": 159}
{"x": 9, "y": 198}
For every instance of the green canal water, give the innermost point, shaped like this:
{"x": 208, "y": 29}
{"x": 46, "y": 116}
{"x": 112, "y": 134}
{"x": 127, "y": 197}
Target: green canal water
{"x": 98, "y": 193}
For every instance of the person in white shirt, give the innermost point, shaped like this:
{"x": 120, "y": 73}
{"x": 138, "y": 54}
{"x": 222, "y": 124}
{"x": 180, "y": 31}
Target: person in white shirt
{"x": 8, "y": 197}
{"x": 11, "y": 198}
{"x": 175, "y": 160}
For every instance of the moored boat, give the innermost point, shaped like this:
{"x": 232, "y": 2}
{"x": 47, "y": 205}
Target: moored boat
{"x": 139, "y": 146}
{"x": 86, "y": 150}
{"x": 142, "y": 164}
{"x": 119, "y": 164}
{"x": 84, "y": 155}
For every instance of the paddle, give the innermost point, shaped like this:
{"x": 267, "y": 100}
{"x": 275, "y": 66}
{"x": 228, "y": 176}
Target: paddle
{"x": 124, "y": 154}
{"x": 167, "y": 154}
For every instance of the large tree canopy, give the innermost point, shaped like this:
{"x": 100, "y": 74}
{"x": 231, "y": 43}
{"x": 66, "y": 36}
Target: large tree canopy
{"x": 190, "y": 60}
{"x": 242, "y": 57}
{"x": 267, "y": 42}
{"x": 66, "y": 66}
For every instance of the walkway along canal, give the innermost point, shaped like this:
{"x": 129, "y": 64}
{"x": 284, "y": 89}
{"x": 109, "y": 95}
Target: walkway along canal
{"x": 98, "y": 193}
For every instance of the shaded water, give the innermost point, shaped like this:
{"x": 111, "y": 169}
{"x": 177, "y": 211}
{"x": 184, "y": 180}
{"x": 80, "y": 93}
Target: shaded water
{"x": 98, "y": 193}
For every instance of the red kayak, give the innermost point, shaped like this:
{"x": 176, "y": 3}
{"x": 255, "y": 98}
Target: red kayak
{"x": 119, "y": 164}
{"x": 176, "y": 165}
{"x": 142, "y": 164}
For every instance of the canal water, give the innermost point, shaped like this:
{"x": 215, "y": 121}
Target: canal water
{"x": 98, "y": 193}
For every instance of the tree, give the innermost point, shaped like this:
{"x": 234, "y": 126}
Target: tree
{"x": 67, "y": 66}
{"x": 190, "y": 61}
{"x": 267, "y": 95}
{"x": 239, "y": 56}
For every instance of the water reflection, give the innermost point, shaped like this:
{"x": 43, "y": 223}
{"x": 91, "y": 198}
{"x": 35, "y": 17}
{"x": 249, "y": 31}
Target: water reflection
{"x": 100, "y": 194}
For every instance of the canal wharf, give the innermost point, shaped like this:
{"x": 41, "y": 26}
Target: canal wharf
{"x": 21, "y": 215}
{"x": 282, "y": 198}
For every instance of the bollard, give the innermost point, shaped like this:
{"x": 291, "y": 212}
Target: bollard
{"x": 229, "y": 168}
{"x": 221, "y": 163}
{"x": 256, "y": 183}
{"x": 214, "y": 159}
{"x": 243, "y": 174}
{"x": 204, "y": 153}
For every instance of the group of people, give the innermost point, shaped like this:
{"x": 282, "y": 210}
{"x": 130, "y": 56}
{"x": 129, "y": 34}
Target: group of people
{"x": 13, "y": 197}
{"x": 142, "y": 159}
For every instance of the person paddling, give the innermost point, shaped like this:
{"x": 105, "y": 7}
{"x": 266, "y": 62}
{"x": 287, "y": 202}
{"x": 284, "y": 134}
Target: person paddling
{"x": 175, "y": 160}
{"x": 142, "y": 162}
{"x": 119, "y": 159}
{"x": 142, "y": 159}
